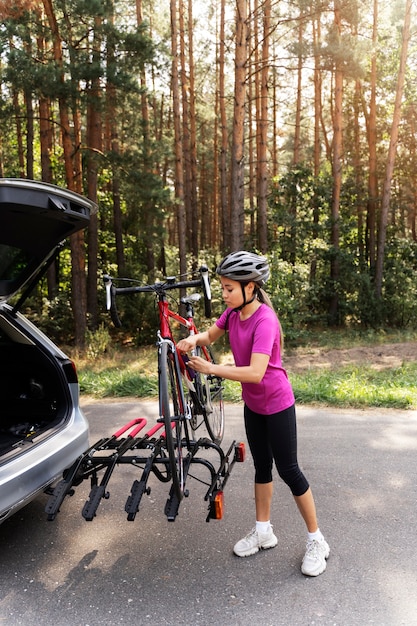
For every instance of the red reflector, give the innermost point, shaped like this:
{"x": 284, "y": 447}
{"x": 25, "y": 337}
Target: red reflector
{"x": 217, "y": 506}
{"x": 240, "y": 452}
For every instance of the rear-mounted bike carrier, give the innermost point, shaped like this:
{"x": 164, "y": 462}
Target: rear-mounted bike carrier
{"x": 148, "y": 453}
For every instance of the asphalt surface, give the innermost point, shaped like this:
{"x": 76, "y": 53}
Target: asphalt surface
{"x": 362, "y": 466}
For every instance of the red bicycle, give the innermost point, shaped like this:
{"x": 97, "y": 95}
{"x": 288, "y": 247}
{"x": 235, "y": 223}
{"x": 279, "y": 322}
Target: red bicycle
{"x": 187, "y": 399}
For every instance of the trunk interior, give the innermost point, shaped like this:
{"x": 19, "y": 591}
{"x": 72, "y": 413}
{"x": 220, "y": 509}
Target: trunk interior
{"x": 32, "y": 393}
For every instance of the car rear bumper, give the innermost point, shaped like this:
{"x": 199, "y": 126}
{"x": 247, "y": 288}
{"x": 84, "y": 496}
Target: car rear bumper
{"x": 29, "y": 473}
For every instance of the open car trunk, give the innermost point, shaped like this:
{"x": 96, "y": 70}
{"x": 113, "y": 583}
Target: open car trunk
{"x": 35, "y": 376}
{"x": 42, "y": 428}
{"x": 33, "y": 393}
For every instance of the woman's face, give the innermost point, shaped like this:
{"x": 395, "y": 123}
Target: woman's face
{"x": 232, "y": 292}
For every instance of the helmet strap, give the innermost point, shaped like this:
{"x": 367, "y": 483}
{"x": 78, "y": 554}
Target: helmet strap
{"x": 242, "y": 306}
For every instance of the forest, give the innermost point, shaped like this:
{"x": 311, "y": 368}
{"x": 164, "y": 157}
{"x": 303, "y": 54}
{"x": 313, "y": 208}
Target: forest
{"x": 286, "y": 127}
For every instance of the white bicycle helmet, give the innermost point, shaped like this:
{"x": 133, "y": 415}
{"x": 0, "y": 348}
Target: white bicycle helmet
{"x": 245, "y": 267}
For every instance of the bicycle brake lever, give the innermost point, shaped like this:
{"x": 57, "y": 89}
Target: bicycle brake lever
{"x": 107, "y": 284}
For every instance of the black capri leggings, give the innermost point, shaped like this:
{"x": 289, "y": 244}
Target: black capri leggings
{"x": 274, "y": 438}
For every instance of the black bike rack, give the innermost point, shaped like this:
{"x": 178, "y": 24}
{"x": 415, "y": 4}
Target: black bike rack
{"x": 106, "y": 454}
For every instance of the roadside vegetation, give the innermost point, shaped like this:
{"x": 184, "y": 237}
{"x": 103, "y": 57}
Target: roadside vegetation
{"x": 109, "y": 372}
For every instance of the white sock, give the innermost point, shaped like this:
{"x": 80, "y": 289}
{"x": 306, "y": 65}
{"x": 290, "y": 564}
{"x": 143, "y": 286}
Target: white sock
{"x": 263, "y": 527}
{"x": 316, "y": 536}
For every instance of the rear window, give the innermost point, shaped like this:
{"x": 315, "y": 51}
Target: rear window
{"x": 13, "y": 261}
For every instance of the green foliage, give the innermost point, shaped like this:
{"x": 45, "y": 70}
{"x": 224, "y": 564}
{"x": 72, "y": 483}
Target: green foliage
{"x": 97, "y": 342}
{"x": 301, "y": 256}
{"x": 400, "y": 288}
{"x": 299, "y": 205}
{"x": 54, "y": 317}
{"x": 287, "y": 289}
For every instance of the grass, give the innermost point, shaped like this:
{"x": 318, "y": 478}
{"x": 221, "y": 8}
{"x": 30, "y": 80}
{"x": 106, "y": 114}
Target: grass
{"x": 128, "y": 373}
{"x": 358, "y": 387}
{"x": 132, "y": 372}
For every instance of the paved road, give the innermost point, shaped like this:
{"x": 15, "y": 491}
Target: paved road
{"x": 363, "y": 470}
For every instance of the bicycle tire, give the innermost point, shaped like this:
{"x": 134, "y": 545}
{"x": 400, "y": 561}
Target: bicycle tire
{"x": 209, "y": 393}
{"x": 170, "y": 410}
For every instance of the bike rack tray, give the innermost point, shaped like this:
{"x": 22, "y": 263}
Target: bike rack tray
{"x": 147, "y": 452}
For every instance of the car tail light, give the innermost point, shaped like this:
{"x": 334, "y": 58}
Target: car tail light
{"x": 70, "y": 371}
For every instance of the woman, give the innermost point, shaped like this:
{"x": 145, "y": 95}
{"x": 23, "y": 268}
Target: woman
{"x": 269, "y": 412}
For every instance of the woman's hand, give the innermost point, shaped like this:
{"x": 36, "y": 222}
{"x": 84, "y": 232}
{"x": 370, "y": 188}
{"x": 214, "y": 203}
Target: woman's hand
{"x": 187, "y": 344}
{"x": 200, "y": 365}
{"x": 200, "y": 339}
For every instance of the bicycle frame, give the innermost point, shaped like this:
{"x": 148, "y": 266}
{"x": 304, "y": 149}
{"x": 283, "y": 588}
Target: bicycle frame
{"x": 165, "y": 314}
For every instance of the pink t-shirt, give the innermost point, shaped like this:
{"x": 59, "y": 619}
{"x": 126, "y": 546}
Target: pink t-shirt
{"x": 259, "y": 333}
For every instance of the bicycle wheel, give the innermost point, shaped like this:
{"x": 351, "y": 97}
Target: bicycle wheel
{"x": 171, "y": 410}
{"x": 209, "y": 394}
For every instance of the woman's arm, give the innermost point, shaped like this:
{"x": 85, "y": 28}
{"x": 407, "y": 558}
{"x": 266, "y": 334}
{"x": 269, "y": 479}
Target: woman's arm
{"x": 252, "y": 373}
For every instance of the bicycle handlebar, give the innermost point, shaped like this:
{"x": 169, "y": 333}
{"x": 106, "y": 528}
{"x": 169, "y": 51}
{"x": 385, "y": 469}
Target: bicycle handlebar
{"x": 159, "y": 288}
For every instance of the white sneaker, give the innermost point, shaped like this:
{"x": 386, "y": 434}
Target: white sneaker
{"x": 314, "y": 561}
{"x": 255, "y": 541}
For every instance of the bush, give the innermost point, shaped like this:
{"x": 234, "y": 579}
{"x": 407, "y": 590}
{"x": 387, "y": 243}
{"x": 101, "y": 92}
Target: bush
{"x": 97, "y": 342}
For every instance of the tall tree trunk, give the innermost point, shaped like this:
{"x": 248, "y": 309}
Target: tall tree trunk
{"x": 252, "y": 152}
{"x": 373, "y": 195}
{"x": 77, "y": 240}
{"x": 45, "y": 134}
{"x": 275, "y": 130}
{"x": 79, "y": 299}
{"x": 358, "y": 165}
{"x": 179, "y": 167}
{"x": 148, "y": 212}
{"x": 297, "y": 135}
{"x": 262, "y": 224}
{"x": 212, "y": 239}
{"x": 254, "y": 114}
{"x": 46, "y": 143}
{"x": 337, "y": 175}
{"x": 224, "y": 204}
{"x": 30, "y": 135}
{"x": 19, "y": 134}
{"x": 237, "y": 169}
{"x": 95, "y": 147}
{"x": 297, "y": 129}
{"x": 185, "y": 120}
{"x": 358, "y": 169}
{"x": 112, "y": 144}
{"x": 386, "y": 192}
{"x": 193, "y": 137}
{"x": 317, "y": 144}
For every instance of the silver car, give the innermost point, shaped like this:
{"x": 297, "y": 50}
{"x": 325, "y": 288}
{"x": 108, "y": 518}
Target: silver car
{"x": 42, "y": 429}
